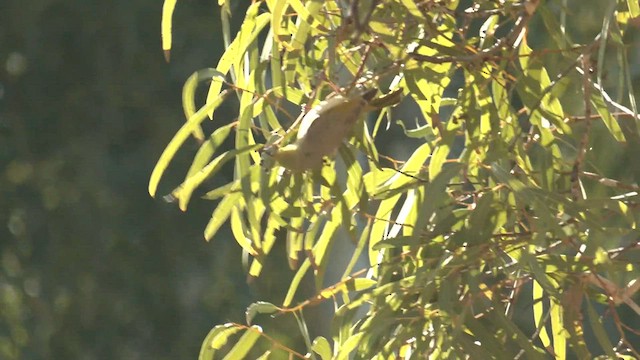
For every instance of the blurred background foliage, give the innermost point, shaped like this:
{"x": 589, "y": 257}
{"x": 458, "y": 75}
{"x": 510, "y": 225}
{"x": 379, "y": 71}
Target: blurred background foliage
{"x": 90, "y": 266}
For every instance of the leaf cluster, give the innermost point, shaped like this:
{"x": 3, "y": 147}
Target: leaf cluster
{"x": 500, "y": 205}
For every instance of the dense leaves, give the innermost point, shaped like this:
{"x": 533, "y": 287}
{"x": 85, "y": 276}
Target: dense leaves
{"x": 503, "y": 207}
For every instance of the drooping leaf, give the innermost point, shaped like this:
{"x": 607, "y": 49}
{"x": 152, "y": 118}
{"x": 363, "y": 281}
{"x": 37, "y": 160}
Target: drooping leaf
{"x": 177, "y": 141}
{"x": 260, "y": 307}
{"x": 167, "y": 37}
{"x": 242, "y": 347}
{"x": 321, "y": 347}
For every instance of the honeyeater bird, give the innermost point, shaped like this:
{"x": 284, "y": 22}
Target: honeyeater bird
{"x": 326, "y": 125}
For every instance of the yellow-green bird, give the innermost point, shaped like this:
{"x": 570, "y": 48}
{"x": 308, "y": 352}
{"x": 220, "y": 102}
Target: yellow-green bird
{"x": 326, "y": 125}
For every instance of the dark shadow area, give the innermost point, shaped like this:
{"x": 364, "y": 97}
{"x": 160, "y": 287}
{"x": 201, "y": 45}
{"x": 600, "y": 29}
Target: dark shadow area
{"x": 91, "y": 267}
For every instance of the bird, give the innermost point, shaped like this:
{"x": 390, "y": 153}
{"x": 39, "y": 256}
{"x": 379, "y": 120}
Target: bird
{"x": 323, "y": 129}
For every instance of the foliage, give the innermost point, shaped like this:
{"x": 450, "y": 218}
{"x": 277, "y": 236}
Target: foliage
{"x": 506, "y": 203}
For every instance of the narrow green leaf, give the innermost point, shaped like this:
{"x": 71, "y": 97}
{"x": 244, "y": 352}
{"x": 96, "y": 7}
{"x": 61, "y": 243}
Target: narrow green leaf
{"x": 295, "y": 241}
{"x": 604, "y": 35}
{"x": 377, "y": 180}
{"x": 530, "y": 263}
{"x": 611, "y": 123}
{"x": 322, "y": 347}
{"x": 278, "y": 9}
{"x": 560, "y": 37}
{"x": 279, "y": 86}
{"x": 188, "y": 94}
{"x": 435, "y": 195}
{"x": 348, "y": 346}
{"x": 295, "y": 282}
{"x": 260, "y": 307}
{"x": 538, "y": 314}
{"x": 222, "y": 337}
{"x": 268, "y": 240}
{"x": 527, "y": 194}
{"x": 558, "y": 330}
{"x": 426, "y": 87}
{"x": 309, "y": 14}
{"x": 413, "y": 9}
{"x": 221, "y": 214}
{"x": 424, "y": 132}
{"x": 244, "y": 138}
{"x": 309, "y": 238}
{"x": 348, "y": 285}
{"x": 178, "y": 139}
{"x": 222, "y": 190}
{"x": 240, "y": 232}
{"x": 634, "y": 8}
{"x": 626, "y": 72}
{"x": 185, "y": 190}
{"x": 225, "y": 15}
{"x": 383, "y": 216}
{"x": 482, "y": 222}
{"x": 531, "y": 351}
{"x": 438, "y": 158}
{"x": 230, "y": 55}
{"x": 413, "y": 166}
{"x": 323, "y": 246}
{"x": 244, "y": 344}
{"x": 599, "y": 331}
{"x": 265, "y": 356}
{"x": 534, "y": 88}
{"x": 208, "y": 148}
{"x": 167, "y": 15}
{"x": 216, "y": 338}
{"x": 360, "y": 246}
{"x": 354, "y": 193}
{"x": 305, "y": 24}
{"x": 360, "y": 284}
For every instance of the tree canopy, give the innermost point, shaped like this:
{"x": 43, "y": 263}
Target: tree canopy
{"x": 508, "y": 231}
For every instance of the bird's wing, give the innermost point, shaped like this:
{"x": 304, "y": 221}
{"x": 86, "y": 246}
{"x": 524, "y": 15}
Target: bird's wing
{"x": 320, "y": 111}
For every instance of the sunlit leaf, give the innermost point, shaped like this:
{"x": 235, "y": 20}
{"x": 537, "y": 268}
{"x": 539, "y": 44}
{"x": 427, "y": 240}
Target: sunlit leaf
{"x": 538, "y": 314}
{"x": 178, "y": 140}
{"x": 221, "y": 214}
{"x": 188, "y": 94}
{"x": 230, "y": 55}
{"x": 295, "y": 282}
{"x": 207, "y": 149}
{"x": 321, "y": 347}
{"x": 380, "y": 224}
{"x": 634, "y": 8}
{"x": 558, "y": 330}
{"x": 216, "y": 339}
{"x": 260, "y": 307}
{"x": 536, "y": 92}
{"x": 244, "y": 344}
{"x": 612, "y": 124}
{"x": 184, "y": 191}
{"x": 167, "y": 16}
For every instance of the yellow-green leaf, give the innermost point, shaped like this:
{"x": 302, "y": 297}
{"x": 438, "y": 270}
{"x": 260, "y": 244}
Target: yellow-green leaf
{"x": 167, "y": 16}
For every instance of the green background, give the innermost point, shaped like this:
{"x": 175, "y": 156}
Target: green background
{"x": 91, "y": 267}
